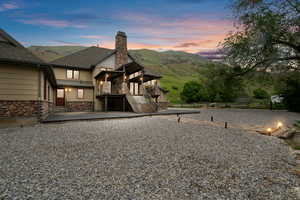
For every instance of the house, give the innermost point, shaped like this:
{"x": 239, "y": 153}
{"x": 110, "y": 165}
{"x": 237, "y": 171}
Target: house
{"x": 27, "y": 84}
{"x": 100, "y": 79}
{"x": 94, "y": 79}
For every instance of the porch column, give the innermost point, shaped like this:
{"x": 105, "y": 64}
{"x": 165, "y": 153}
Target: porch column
{"x": 141, "y": 86}
{"x": 124, "y": 103}
{"x": 105, "y": 103}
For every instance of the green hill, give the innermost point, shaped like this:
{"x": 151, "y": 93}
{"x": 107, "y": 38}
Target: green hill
{"x": 176, "y": 67}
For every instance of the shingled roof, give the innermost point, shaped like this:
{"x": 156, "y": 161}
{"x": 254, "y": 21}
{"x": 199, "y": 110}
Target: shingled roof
{"x": 12, "y": 50}
{"x": 84, "y": 59}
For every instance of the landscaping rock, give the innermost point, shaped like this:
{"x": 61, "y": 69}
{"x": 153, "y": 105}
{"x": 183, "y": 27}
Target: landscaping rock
{"x": 144, "y": 158}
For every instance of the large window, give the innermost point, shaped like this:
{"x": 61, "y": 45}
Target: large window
{"x": 80, "y": 93}
{"x": 72, "y": 74}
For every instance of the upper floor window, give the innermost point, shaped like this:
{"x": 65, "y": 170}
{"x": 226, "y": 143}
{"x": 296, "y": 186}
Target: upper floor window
{"x": 72, "y": 74}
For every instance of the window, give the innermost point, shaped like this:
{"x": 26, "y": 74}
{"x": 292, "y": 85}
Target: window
{"x": 80, "y": 93}
{"x": 69, "y": 73}
{"x": 60, "y": 93}
{"x": 76, "y": 74}
{"x": 72, "y": 74}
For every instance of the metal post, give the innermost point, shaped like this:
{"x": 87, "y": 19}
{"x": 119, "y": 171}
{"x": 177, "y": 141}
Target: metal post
{"x": 226, "y": 125}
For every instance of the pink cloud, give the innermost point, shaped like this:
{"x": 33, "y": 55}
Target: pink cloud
{"x": 93, "y": 36}
{"x": 188, "y": 33}
{"x": 52, "y": 23}
{"x": 8, "y": 6}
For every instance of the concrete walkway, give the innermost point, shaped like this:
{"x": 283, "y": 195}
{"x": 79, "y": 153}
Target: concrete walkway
{"x": 74, "y": 116}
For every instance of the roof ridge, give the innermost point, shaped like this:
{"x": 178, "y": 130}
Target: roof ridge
{"x": 18, "y": 45}
{"x": 10, "y": 39}
{"x": 80, "y": 51}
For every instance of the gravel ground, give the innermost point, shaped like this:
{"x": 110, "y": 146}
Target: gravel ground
{"x": 145, "y": 158}
{"x": 248, "y": 118}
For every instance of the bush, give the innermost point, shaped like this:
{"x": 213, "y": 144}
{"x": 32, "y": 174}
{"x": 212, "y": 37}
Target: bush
{"x": 260, "y": 94}
{"x": 290, "y": 91}
{"x": 194, "y": 92}
{"x": 221, "y": 85}
{"x": 174, "y": 87}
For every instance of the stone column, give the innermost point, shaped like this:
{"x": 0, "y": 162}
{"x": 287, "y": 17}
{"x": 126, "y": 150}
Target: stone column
{"x": 105, "y": 87}
{"x": 121, "y": 49}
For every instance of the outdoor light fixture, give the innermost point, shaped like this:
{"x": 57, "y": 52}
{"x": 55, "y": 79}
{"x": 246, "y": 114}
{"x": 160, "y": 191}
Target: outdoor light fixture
{"x": 269, "y": 130}
{"x": 279, "y": 125}
{"x": 101, "y": 82}
{"x": 70, "y": 89}
{"x": 66, "y": 89}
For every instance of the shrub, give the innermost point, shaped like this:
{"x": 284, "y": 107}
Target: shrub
{"x": 174, "y": 87}
{"x": 290, "y": 91}
{"x": 260, "y": 94}
{"x": 194, "y": 92}
{"x": 220, "y": 83}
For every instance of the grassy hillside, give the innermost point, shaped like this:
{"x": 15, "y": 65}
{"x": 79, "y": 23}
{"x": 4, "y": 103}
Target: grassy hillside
{"x": 175, "y": 67}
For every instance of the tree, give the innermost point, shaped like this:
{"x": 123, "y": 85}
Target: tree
{"x": 289, "y": 88}
{"x": 193, "y": 92}
{"x": 260, "y": 94}
{"x": 267, "y": 35}
{"x": 221, "y": 83}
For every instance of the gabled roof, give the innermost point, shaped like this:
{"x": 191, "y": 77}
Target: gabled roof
{"x": 11, "y": 50}
{"x": 84, "y": 59}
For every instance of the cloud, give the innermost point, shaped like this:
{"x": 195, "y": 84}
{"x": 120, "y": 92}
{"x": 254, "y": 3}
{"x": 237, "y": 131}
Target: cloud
{"x": 187, "y": 44}
{"x": 52, "y": 23}
{"x": 190, "y": 33}
{"x": 8, "y": 6}
{"x": 93, "y": 37}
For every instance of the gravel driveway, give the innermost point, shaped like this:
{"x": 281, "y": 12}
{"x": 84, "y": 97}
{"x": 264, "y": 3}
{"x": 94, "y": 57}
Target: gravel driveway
{"x": 144, "y": 158}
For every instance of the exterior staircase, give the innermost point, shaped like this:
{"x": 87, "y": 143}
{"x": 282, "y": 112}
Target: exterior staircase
{"x": 142, "y": 104}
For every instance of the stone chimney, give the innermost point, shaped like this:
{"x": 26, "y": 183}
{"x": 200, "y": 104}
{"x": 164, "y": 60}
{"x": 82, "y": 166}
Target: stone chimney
{"x": 121, "y": 49}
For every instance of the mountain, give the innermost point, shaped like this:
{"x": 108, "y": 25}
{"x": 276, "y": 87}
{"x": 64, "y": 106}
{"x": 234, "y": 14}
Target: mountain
{"x": 216, "y": 55}
{"x": 176, "y": 67}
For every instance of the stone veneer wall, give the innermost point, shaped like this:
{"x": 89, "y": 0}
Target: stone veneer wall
{"x": 79, "y": 106}
{"x": 39, "y": 109}
{"x": 46, "y": 108}
{"x": 163, "y": 105}
{"x": 121, "y": 49}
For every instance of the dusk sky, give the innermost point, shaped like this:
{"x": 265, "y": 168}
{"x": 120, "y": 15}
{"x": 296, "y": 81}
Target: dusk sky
{"x": 181, "y": 25}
